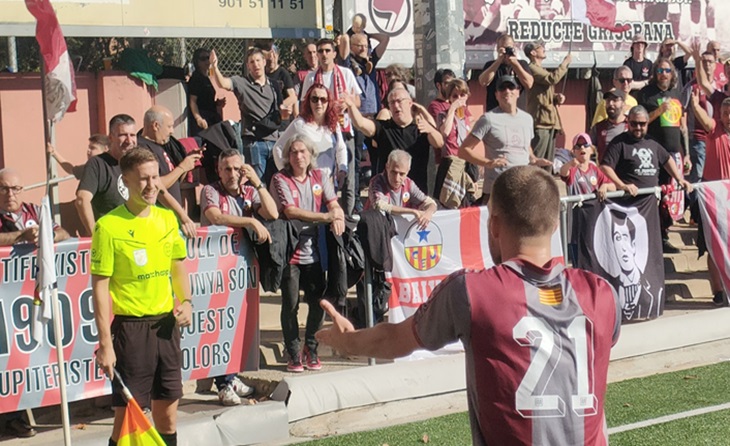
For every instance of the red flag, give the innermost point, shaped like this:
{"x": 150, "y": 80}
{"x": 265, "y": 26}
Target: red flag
{"x": 59, "y": 84}
{"x": 598, "y": 13}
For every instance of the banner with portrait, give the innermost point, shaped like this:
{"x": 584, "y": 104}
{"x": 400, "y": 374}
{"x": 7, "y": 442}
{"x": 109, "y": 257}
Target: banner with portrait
{"x": 223, "y": 338}
{"x": 620, "y": 241}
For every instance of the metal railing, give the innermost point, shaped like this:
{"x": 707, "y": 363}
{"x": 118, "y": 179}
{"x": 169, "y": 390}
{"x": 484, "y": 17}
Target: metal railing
{"x": 50, "y": 182}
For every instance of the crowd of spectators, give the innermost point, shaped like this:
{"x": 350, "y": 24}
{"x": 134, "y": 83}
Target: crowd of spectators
{"x": 297, "y": 150}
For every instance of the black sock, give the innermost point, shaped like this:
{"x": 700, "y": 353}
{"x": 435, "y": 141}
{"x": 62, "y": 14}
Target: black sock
{"x": 170, "y": 439}
{"x": 112, "y": 442}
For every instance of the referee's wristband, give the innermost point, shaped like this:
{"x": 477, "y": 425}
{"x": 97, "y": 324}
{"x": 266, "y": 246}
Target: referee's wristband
{"x": 189, "y": 301}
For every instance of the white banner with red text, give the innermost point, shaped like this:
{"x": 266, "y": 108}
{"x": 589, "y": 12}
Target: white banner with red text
{"x": 423, "y": 257}
{"x": 223, "y": 338}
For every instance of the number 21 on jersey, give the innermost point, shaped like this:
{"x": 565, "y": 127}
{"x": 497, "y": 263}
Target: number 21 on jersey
{"x": 534, "y": 402}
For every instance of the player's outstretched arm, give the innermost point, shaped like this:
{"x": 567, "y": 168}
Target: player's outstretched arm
{"x": 386, "y": 341}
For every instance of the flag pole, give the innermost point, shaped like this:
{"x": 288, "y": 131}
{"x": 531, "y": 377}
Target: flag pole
{"x": 49, "y": 131}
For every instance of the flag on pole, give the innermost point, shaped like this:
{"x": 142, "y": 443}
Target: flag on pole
{"x": 45, "y": 279}
{"x": 59, "y": 84}
{"x": 713, "y": 198}
{"x": 137, "y": 429}
{"x": 598, "y": 13}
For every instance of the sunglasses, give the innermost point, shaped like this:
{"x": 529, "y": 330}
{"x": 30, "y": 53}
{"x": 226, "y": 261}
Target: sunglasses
{"x": 581, "y": 146}
{"x": 663, "y": 70}
{"x": 324, "y": 50}
{"x": 320, "y": 99}
{"x": 638, "y": 123}
{"x": 624, "y": 80}
{"x": 505, "y": 87}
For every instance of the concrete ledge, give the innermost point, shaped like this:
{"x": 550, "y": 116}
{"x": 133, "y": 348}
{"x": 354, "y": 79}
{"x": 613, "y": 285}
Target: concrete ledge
{"x": 312, "y": 395}
{"x": 670, "y": 333}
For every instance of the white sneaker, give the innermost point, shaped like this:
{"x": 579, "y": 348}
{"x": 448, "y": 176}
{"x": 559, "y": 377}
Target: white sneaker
{"x": 240, "y": 388}
{"x": 228, "y": 396}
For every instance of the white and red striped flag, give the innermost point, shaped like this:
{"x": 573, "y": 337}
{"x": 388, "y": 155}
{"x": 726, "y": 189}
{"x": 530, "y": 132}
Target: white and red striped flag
{"x": 422, "y": 258}
{"x": 45, "y": 280}
{"x": 714, "y": 199}
{"x": 598, "y": 13}
{"x": 59, "y": 84}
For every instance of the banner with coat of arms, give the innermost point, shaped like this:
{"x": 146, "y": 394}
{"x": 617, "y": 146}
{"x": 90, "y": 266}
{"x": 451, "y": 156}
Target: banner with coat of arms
{"x": 423, "y": 257}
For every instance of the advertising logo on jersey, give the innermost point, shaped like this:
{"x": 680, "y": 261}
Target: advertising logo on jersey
{"x": 390, "y": 17}
{"x": 423, "y": 247}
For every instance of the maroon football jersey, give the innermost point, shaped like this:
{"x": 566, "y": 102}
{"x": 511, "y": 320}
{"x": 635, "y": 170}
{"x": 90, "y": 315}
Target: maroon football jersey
{"x": 537, "y": 341}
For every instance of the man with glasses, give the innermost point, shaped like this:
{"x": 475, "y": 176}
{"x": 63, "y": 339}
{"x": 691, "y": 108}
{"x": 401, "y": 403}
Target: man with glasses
{"x": 20, "y": 220}
{"x": 341, "y": 82}
{"x": 667, "y": 122}
{"x": 506, "y": 132}
{"x": 603, "y": 132}
{"x": 633, "y": 161}
{"x": 621, "y": 81}
{"x": 506, "y": 64}
{"x": 719, "y": 73}
{"x": 409, "y": 129}
{"x": 362, "y": 61}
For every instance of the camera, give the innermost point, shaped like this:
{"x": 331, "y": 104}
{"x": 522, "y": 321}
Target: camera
{"x": 509, "y": 51}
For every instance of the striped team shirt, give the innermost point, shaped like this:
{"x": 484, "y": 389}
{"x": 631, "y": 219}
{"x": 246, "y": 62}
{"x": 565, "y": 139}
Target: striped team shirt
{"x": 537, "y": 343}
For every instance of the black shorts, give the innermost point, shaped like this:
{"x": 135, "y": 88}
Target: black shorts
{"x": 149, "y": 358}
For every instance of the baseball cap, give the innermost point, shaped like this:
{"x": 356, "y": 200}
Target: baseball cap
{"x": 507, "y": 78}
{"x": 616, "y": 93}
{"x": 530, "y": 47}
{"x": 583, "y": 136}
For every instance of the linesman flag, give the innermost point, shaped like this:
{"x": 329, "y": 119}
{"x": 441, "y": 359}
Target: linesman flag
{"x": 136, "y": 428}
{"x": 59, "y": 84}
{"x": 46, "y": 275}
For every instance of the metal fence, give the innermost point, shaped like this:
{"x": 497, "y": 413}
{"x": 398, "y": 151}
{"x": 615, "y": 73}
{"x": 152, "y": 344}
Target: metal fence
{"x": 89, "y": 53}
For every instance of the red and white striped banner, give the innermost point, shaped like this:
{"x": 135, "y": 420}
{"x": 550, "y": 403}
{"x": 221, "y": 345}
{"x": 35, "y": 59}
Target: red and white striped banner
{"x": 224, "y": 336}
{"x": 714, "y": 199}
{"x": 422, "y": 258}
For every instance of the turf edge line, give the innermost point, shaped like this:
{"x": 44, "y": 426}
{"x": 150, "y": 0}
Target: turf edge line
{"x": 668, "y": 418}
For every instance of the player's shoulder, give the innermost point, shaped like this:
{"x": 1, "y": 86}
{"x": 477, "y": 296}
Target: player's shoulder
{"x": 114, "y": 221}
{"x": 163, "y": 214}
{"x": 575, "y": 275}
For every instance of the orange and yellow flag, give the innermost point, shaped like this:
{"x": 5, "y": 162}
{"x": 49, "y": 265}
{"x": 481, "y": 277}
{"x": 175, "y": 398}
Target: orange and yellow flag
{"x": 137, "y": 429}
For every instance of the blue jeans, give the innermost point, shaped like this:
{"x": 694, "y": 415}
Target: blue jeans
{"x": 257, "y": 154}
{"x": 697, "y": 156}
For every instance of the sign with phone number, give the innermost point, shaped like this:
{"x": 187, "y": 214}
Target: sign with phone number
{"x": 223, "y": 338}
{"x": 175, "y": 18}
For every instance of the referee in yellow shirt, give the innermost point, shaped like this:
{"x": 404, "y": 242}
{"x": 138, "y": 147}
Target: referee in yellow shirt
{"x": 136, "y": 250}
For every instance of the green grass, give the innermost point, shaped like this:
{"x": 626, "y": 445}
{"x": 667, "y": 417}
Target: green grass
{"x": 710, "y": 429}
{"x": 658, "y": 395}
{"x": 626, "y": 402}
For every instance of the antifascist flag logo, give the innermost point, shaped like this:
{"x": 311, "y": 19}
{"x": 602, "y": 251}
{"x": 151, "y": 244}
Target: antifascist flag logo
{"x": 390, "y": 17}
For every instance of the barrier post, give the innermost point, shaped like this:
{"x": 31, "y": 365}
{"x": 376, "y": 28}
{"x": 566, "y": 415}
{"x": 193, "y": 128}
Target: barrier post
{"x": 369, "y": 317}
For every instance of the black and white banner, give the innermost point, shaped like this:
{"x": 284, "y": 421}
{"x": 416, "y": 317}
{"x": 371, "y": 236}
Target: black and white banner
{"x": 621, "y": 241}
